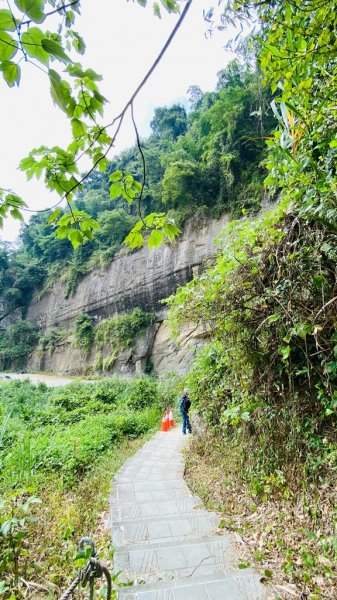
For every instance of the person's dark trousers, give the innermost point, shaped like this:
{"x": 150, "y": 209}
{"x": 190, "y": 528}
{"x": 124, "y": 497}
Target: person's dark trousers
{"x": 186, "y": 423}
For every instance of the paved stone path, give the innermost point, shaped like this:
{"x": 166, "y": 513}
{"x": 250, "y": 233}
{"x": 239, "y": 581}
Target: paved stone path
{"x": 166, "y": 543}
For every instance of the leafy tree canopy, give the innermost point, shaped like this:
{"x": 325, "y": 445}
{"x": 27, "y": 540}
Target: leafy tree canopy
{"x": 24, "y": 36}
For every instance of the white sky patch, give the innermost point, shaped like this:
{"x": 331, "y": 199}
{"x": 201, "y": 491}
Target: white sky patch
{"x": 122, "y": 41}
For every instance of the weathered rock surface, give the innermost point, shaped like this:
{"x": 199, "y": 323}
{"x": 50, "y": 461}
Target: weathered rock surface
{"x": 140, "y": 278}
{"x": 174, "y": 355}
{"x": 135, "y": 279}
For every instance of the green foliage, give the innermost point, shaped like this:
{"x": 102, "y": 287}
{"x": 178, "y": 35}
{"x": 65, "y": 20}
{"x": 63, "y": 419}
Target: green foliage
{"x": 76, "y": 94}
{"x": 121, "y": 331}
{"x": 72, "y": 450}
{"x": 84, "y": 332}
{"x": 268, "y": 377}
{"x": 16, "y": 343}
{"x": 51, "y": 338}
{"x": 143, "y": 393}
{"x": 16, "y": 513}
{"x": 270, "y": 372}
{"x": 65, "y": 430}
{"x": 208, "y": 158}
{"x": 169, "y": 123}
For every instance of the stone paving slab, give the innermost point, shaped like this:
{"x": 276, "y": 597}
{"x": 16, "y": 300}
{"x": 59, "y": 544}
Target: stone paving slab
{"x": 149, "y": 470}
{"x": 243, "y": 585}
{"x": 165, "y": 539}
{"x": 143, "y": 476}
{"x": 163, "y": 530}
{"x": 167, "y": 454}
{"x": 163, "y": 508}
{"x": 142, "y": 486}
{"x": 200, "y": 557}
{"x": 126, "y": 494}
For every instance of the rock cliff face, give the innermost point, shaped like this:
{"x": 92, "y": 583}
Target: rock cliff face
{"x": 136, "y": 279}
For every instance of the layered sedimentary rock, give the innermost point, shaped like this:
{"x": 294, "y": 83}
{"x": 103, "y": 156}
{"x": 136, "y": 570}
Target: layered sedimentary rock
{"x": 140, "y": 278}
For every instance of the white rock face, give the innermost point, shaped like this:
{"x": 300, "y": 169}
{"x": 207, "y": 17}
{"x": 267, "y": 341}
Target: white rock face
{"x": 136, "y": 279}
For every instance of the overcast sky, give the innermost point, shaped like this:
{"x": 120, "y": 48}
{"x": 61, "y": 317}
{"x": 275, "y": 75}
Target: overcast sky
{"x": 122, "y": 40}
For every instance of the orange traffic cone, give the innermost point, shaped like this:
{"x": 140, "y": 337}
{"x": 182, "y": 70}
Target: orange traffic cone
{"x": 171, "y": 420}
{"x": 163, "y": 423}
{"x": 167, "y": 421}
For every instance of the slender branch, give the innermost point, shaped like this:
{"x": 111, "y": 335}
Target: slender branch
{"x": 144, "y": 167}
{"x": 158, "y": 59}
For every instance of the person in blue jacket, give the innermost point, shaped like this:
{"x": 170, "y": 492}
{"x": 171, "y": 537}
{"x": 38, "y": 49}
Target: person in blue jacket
{"x": 184, "y": 407}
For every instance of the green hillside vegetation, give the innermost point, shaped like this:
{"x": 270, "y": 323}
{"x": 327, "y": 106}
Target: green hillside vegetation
{"x": 208, "y": 158}
{"x": 59, "y": 449}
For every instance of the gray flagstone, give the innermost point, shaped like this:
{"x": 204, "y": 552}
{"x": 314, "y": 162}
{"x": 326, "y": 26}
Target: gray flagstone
{"x": 165, "y": 542}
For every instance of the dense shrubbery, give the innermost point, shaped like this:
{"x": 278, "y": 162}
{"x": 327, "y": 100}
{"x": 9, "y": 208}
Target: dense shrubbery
{"x": 270, "y": 373}
{"x": 142, "y": 392}
{"x": 67, "y": 429}
{"x": 84, "y": 332}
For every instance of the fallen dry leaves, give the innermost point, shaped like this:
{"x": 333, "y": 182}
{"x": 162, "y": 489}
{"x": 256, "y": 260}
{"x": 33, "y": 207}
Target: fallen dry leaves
{"x": 289, "y": 537}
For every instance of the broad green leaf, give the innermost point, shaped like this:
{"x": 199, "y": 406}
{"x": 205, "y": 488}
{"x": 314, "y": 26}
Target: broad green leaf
{"x": 134, "y": 239}
{"x": 78, "y": 128}
{"x": 14, "y": 200}
{"x": 273, "y": 318}
{"x": 55, "y": 49}
{"x": 32, "y": 8}
{"x": 284, "y": 351}
{"x": 7, "y": 22}
{"x": 170, "y": 5}
{"x": 62, "y": 232}
{"x": 78, "y": 43}
{"x": 156, "y": 239}
{"x": 15, "y": 213}
{"x": 32, "y": 44}
{"x": 60, "y": 91}
{"x": 128, "y": 194}
{"x": 8, "y": 46}
{"x": 93, "y": 75}
{"x": 76, "y": 238}
{"x": 171, "y": 230}
{"x": 115, "y": 190}
{"x": 116, "y": 176}
{"x": 156, "y": 9}
{"x": 103, "y": 165}
{"x": 88, "y": 234}
{"x": 11, "y": 72}
{"x": 70, "y": 18}
{"x": 54, "y": 216}
{"x": 137, "y": 186}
